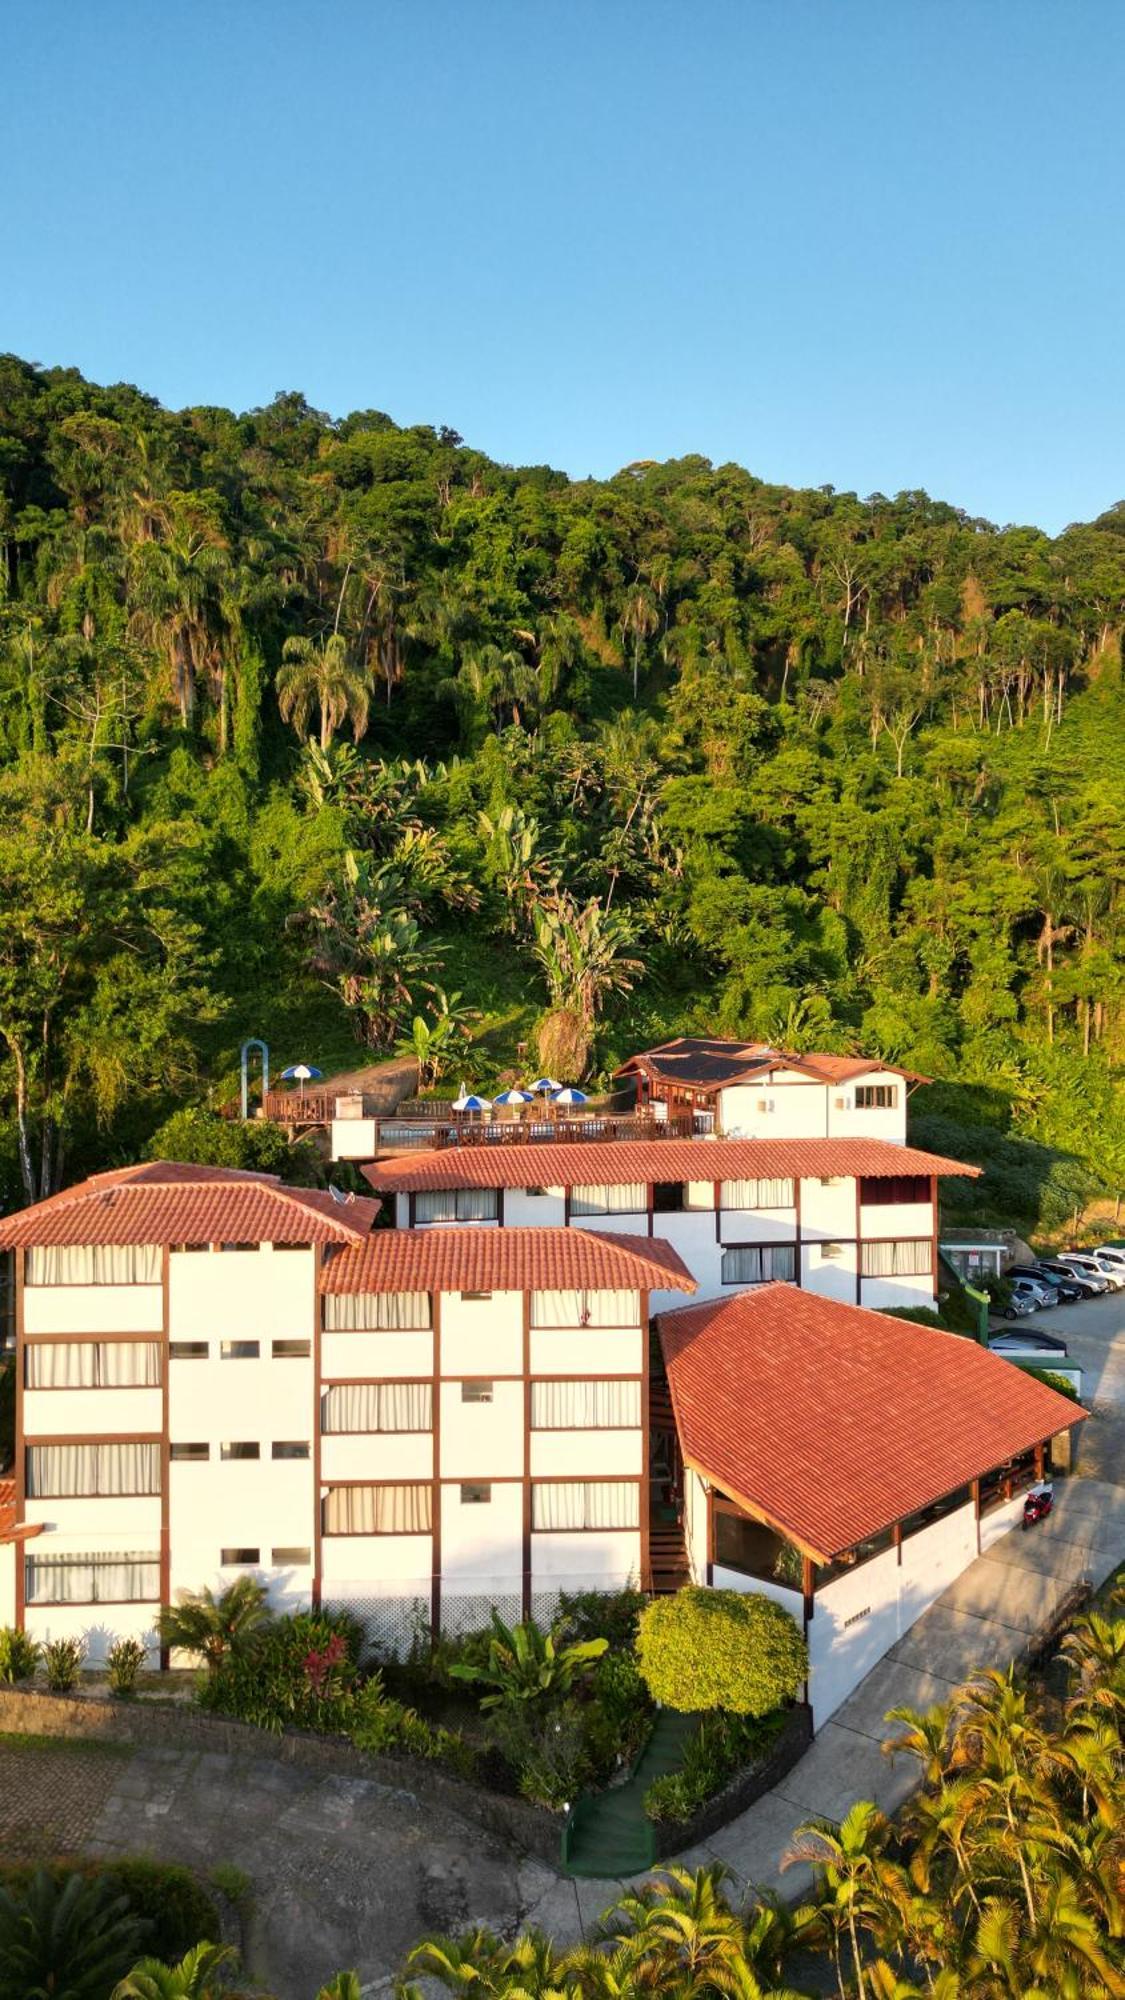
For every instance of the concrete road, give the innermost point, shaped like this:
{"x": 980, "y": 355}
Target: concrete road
{"x": 1095, "y": 1336}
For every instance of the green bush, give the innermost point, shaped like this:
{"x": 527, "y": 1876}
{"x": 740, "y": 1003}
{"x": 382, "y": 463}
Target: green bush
{"x": 549, "y": 1752}
{"x": 705, "y": 1649}
{"x": 601, "y": 1614}
{"x": 19, "y": 1656}
{"x": 1062, "y": 1384}
{"x": 124, "y": 1661}
{"x": 722, "y": 1745}
{"x": 299, "y": 1674}
{"x": 527, "y": 1664}
{"x": 62, "y": 1659}
{"x": 618, "y": 1713}
{"x": 383, "y": 1726}
{"x": 166, "y": 1898}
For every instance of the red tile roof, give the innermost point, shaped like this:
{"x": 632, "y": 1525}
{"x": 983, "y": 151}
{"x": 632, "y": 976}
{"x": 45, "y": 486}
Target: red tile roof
{"x": 832, "y": 1422}
{"x": 710, "y": 1063}
{"x": 615, "y": 1162}
{"x": 504, "y": 1260}
{"x": 173, "y": 1202}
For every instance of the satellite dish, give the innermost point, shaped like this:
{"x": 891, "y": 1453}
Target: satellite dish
{"x": 339, "y": 1197}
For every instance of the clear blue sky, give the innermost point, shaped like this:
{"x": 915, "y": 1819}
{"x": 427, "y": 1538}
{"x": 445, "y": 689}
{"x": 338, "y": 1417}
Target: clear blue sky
{"x": 876, "y": 243}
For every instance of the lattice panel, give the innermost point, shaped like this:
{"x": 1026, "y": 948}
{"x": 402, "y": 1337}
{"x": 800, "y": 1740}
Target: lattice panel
{"x": 393, "y": 1624}
{"x": 462, "y": 1612}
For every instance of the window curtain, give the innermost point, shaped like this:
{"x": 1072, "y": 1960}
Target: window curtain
{"x": 377, "y": 1312}
{"x": 757, "y": 1194}
{"x": 95, "y": 1264}
{"x": 565, "y": 1406}
{"x": 582, "y": 1504}
{"x": 117, "y": 1579}
{"x": 585, "y": 1309}
{"x": 757, "y": 1263}
{"x": 913, "y": 1259}
{"x": 93, "y": 1364}
{"x": 378, "y": 1406}
{"x": 456, "y": 1205}
{"x": 631, "y": 1198}
{"x": 72, "y": 1471}
{"x": 378, "y": 1510}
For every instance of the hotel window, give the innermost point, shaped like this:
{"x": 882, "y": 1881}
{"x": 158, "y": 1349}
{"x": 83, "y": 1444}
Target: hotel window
{"x": 911, "y": 1259}
{"x": 240, "y": 1246}
{"x": 240, "y": 1558}
{"x": 757, "y": 1194}
{"x": 95, "y": 1264}
{"x": 93, "y": 1364}
{"x": 112, "y": 1579}
{"x": 378, "y": 1312}
{"x": 291, "y": 1350}
{"x": 189, "y": 1454}
{"x": 290, "y": 1558}
{"x": 240, "y": 1449}
{"x": 240, "y": 1350}
{"x": 290, "y": 1448}
{"x": 189, "y": 1350}
{"x": 574, "y": 1308}
{"x": 476, "y": 1493}
{"x": 559, "y": 1505}
{"x": 876, "y": 1096}
{"x": 630, "y": 1198}
{"x": 350, "y": 1407}
{"x": 92, "y": 1471}
{"x": 456, "y": 1205}
{"x": 578, "y": 1406}
{"x": 759, "y": 1263}
{"x": 190, "y": 1249}
{"x": 668, "y": 1197}
{"x": 876, "y": 1192}
{"x": 379, "y": 1510}
{"x": 476, "y": 1392}
{"x": 534, "y": 1193}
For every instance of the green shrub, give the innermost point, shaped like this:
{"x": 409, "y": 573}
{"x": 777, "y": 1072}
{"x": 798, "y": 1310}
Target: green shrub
{"x": 1062, "y": 1384}
{"x": 124, "y": 1661}
{"x": 19, "y": 1656}
{"x": 66, "y": 1933}
{"x": 63, "y": 1659}
{"x": 722, "y": 1745}
{"x": 704, "y": 1649}
{"x": 298, "y": 1674}
{"x": 168, "y": 1908}
{"x": 617, "y": 1713}
{"x": 601, "y": 1614}
{"x": 548, "y": 1752}
{"x": 527, "y": 1664}
{"x": 383, "y": 1726}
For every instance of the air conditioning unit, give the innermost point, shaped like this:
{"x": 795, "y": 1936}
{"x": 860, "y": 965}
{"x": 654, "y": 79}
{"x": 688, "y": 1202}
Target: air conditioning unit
{"x": 841, "y": 1104}
{"x": 765, "y": 1104}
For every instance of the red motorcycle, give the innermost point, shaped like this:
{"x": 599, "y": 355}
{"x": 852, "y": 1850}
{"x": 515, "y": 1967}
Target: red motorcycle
{"x": 1038, "y": 1502}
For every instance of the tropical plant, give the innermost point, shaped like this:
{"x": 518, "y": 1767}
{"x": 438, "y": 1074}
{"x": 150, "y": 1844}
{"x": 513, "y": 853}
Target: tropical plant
{"x": 198, "y": 1976}
{"x": 124, "y": 1661}
{"x": 527, "y": 1664}
{"x": 62, "y": 1661}
{"x": 216, "y": 1626}
{"x": 19, "y": 1655}
{"x": 431, "y": 1043}
{"x": 66, "y": 1937}
{"x": 321, "y": 675}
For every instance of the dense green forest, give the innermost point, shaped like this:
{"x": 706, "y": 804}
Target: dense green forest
{"x": 316, "y": 729}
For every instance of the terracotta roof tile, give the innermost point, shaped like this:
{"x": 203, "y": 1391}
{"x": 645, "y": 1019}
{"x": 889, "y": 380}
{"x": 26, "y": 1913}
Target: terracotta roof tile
{"x": 173, "y": 1202}
{"x": 474, "y": 1259}
{"x": 712, "y": 1064}
{"x": 834, "y": 1421}
{"x": 615, "y": 1162}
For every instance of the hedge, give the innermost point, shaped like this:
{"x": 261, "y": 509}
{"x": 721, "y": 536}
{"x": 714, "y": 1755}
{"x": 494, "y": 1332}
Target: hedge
{"x": 729, "y": 1649}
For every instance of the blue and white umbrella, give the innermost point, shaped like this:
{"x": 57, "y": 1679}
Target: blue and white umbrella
{"x": 544, "y": 1086}
{"x": 569, "y": 1096}
{"x": 513, "y": 1097}
{"x": 472, "y": 1103}
{"x": 301, "y": 1073}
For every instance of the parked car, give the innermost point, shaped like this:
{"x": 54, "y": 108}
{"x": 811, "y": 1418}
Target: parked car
{"x": 1019, "y": 1305}
{"x": 1109, "y": 1259}
{"x": 1087, "y": 1285}
{"x": 1085, "y": 1267}
{"x": 1067, "y": 1290}
{"x": 1091, "y": 1262}
{"x": 1034, "y": 1289}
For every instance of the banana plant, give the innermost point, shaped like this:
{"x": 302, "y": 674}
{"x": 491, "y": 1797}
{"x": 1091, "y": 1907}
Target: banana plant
{"x": 525, "y": 1663}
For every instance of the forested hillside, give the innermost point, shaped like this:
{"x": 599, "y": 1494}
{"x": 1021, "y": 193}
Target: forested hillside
{"x": 310, "y": 727}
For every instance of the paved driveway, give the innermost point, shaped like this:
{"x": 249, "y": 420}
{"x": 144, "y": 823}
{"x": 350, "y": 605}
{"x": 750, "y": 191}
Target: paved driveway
{"x": 1095, "y": 1336}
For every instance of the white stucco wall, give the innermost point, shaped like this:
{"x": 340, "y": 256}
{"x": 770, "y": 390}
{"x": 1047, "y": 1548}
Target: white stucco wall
{"x": 375, "y": 1357}
{"x": 587, "y": 1351}
{"x": 382, "y": 1564}
{"x": 482, "y": 1440}
{"x": 482, "y": 1336}
{"x": 483, "y": 1539}
{"x": 606, "y": 1560}
{"x": 591, "y": 1454}
{"x": 695, "y": 1524}
{"x": 10, "y": 1554}
{"x": 388, "y": 1455}
{"x": 353, "y": 1138}
{"x": 833, "y": 1277}
{"x": 93, "y": 1308}
{"x": 97, "y": 1626}
{"x": 91, "y": 1412}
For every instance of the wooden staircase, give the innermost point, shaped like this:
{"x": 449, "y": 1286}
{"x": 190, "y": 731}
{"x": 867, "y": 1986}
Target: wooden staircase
{"x": 668, "y": 1563}
{"x": 667, "y": 1557}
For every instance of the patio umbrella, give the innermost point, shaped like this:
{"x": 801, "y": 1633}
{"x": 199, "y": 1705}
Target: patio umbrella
{"x": 569, "y": 1096}
{"x": 513, "y": 1097}
{"x": 544, "y": 1086}
{"x": 472, "y": 1103}
{"x": 301, "y": 1073}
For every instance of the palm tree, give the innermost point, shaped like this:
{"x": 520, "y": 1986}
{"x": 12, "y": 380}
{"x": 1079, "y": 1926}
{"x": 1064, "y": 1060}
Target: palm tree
{"x": 65, "y": 1936}
{"x": 483, "y": 1964}
{"x": 678, "y": 1934}
{"x": 215, "y": 1626}
{"x": 196, "y": 1977}
{"x": 345, "y": 1986}
{"x": 582, "y": 952}
{"x": 861, "y": 1889}
{"x": 641, "y": 618}
{"x": 924, "y": 1736}
{"x": 323, "y": 677}
{"x": 176, "y": 583}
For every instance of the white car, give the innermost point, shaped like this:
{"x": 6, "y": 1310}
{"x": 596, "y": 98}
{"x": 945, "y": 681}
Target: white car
{"x": 1088, "y": 1266}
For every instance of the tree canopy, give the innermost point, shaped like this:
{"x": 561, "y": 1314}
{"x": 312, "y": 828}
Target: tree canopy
{"x": 307, "y": 721}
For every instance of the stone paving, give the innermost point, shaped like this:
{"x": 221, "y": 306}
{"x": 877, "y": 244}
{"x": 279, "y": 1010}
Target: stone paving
{"x": 52, "y": 1793}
